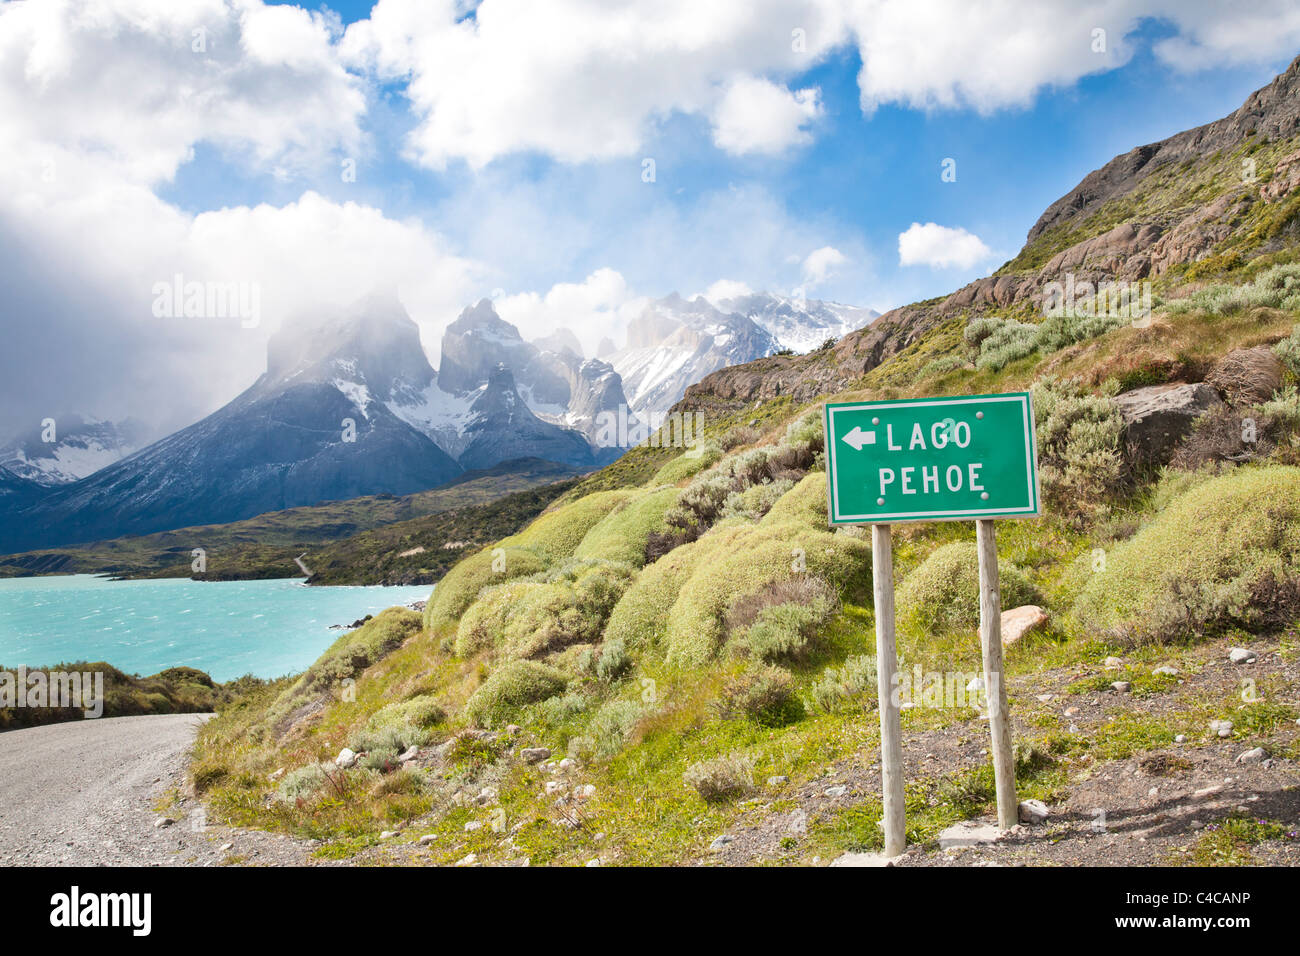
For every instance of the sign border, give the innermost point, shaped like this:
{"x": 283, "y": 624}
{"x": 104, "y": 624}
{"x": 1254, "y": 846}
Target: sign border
{"x": 908, "y": 517}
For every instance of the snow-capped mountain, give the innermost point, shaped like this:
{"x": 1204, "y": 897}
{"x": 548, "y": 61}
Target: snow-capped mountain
{"x": 799, "y": 324}
{"x": 70, "y": 447}
{"x": 675, "y": 343}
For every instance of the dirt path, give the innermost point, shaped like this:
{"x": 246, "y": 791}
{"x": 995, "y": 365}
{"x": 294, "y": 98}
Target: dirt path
{"x": 90, "y": 792}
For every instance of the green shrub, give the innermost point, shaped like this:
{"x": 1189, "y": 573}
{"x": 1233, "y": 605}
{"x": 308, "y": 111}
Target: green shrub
{"x": 850, "y": 685}
{"x": 613, "y": 661}
{"x": 513, "y": 685}
{"x": 556, "y": 534}
{"x": 612, "y": 725}
{"x": 1080, "y": 458}
{"x": 1277, "y": 287}
{"x": 460, "y": 586}
{"x": 722, "y": 778}
{"x": 383, "y": 736}
{"x": 422, "y": 711}
{"x": 545, "y": 613}
{"x": 688, "y": 464}
{"x": 733, "y": 561}
{"x": 784, "y": 620}
{"x": 1288, "y": 350}
{"x": 943, "y": 592}
{"x": 304, "y": 782}
{"x": 622, "y": 534}
{"x": 1225, "y": 552}
{"x": 763, "y": 693}
{"x": 755, "y": 501}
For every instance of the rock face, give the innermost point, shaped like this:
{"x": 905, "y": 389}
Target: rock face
{"x": 1247, "y": 376}
{"x": 502, "y": 427}
{"x": 81, "y": 447}
{"x": 1158, "y": 417}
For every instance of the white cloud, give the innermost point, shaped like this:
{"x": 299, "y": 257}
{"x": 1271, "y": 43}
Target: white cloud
{"x": 820, "y": 264}
{"x": 758, "y": 116}
{"x": 587, "y": 79}
{"x": 940, "y": 247}
{"x": 725, "y": 289}
{"x": 600, "y": 306}
{"x": 124, "y": 81}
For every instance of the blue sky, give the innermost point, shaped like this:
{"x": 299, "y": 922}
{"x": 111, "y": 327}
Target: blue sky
{"x": 794, "y": 142}
{"x": 863, "y": 179}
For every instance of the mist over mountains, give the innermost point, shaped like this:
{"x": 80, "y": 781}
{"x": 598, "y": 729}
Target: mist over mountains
{"x": 350, "y": 405}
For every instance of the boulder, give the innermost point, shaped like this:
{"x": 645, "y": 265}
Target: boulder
{"x": 1019, "y": 621}
{"x": 534, "y": 754}
{"x": 1247, "y": 376}
{"x": 1032, "y": 811}
{"x": 346, "y": 758}
{"x": 1158, "y": 417}
{"x": 1241, "y": 655}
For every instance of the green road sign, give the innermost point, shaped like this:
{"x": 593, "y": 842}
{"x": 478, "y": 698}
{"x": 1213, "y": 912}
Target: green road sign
{"x": 931, "y": 459}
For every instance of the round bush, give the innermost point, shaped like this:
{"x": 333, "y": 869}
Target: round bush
{"x": 1225, "y": 552}
{"x": 944, "y": 591}
{"x": 514, "y": 685}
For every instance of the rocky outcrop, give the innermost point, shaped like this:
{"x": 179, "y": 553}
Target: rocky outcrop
{"x": 1273, "y": 111}
{"x": 1158, "y": 417}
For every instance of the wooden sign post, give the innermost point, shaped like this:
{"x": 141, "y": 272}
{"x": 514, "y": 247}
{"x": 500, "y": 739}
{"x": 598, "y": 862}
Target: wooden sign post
{"x": 934, "y": 459}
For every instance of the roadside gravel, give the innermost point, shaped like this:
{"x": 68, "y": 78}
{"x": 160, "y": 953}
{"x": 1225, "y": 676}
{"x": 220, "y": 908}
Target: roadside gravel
{"x": 90, "y": 793}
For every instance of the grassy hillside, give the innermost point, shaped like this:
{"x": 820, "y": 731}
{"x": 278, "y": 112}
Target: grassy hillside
{"x": 177, "y": 690}
{"x": 334, "y": 535}
{"x": 691, "y": 636}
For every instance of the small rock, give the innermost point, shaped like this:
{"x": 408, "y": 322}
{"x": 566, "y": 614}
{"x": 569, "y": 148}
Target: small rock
{"x": 226, "y": 847}
{"x": 837, "y": 791}
{"x": 1253, "y": 756}
{"x": 473, "y": 825}
{"x": 1205, "y": 792}
{"x": 1153, "y": 791}
{"x": 1241, "y": 655}
{"x": 585, "y": 792}
{"x": 1221, "y": 727}
{"x": 1045, "y": 697}
{"x": 427, "y": 839}
{"x": 567, "y": 764}
{"x": 968, "y": 833}
{"x": 1165, "y": 669}
{"x": 277, "y": 775}
{"x": 468, "y": 860}
{"x": 346, "y": 758}
{"x": 513, "y": 729}
{"x": 163, "y": 822}
{"x": 1122, "y": 686}
{"x": 1032, "y": 811}
{"x": 1019, "y": 621}
{"x": 388, "y": 834}
{"x": 594, "y": 862}
{"x": 1113, "y": 663}
{"x": 1180, "y": 739}
{"x": 1071, "y": 711}
{"x": 720, "y": 842}
{"x": 409, "y": 754}
{"x": 778, "y": 780}
{"x": 553, "y": 787}
{"x": 863, "y": 859}
{"x": 485, "y": 796}
{"x": 535, "y": 754}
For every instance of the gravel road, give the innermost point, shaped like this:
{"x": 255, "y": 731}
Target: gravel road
{"x": 89, "y": 793}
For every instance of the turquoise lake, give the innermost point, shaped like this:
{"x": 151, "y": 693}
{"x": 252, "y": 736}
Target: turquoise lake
{"x": 227, "y": 628}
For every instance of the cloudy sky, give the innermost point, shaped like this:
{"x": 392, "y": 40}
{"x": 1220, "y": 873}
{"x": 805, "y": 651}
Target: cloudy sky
{"x": 566, "y": 157}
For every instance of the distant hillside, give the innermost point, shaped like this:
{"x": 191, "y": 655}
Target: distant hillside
{"x": 265, "y": 546}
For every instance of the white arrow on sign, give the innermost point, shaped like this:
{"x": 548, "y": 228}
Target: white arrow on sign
{"x": 857, "y": 438}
